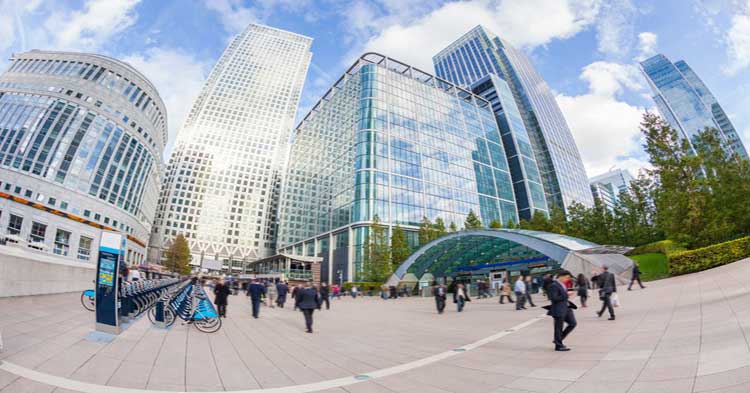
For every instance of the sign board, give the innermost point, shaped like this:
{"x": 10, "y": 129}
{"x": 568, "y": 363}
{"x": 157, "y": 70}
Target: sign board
{"x": 111, "y": 250}
{"x": 211, "y": 264}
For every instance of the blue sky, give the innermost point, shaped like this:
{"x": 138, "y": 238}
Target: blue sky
{"x": 587, "y": 50}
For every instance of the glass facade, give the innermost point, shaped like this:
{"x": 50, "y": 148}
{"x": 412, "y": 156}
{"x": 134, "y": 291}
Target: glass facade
{"x": 81, "y": 133}
{"x": 608, "y": 186}
{"x": 390, "y": 141}
{"x": 222, "y": 182}
{"x": 479, "y": 53}
{"x": 686, "y": 103}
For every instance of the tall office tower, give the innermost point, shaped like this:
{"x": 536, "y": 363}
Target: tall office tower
{"x": 527, "y": 182}
{"x": 222, "y": 179}
{"x": 81, "y": 140}
{"x": 686, "y": 103}
{"x": 390, "y": 141}
{"x": 479, "y": 53}
{"x": 608, "y": 186}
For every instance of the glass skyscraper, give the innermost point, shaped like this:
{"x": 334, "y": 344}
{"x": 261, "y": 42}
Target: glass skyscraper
{"x": 81, "y": 140}
{"x": 686, "y": 103}
{"x": 479, "y": 53}
{"x": 221, "y": 185}
{"x": 608, "y": 186}
{"x": 392, "y": 141}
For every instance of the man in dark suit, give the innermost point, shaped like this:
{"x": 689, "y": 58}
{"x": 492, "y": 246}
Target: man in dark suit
{"x": 561, "y": 309}
{"x": 256, "y": 291}
{"x": 607, "y": 288}
{"x": 308, "y": 300}
{"x": 282, "y": 289}
{"x": 636, "y": 276}
{"x": 324, "y": 292}
{"x": 440, "y": 294}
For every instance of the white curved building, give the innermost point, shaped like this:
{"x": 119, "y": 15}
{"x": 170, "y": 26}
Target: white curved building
{"x": 81, "y": 143}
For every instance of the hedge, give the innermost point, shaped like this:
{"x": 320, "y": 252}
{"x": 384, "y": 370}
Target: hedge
{"x": 363, "y": 286}
{"x": 665, "y": 247}
{"x": 692, "y": 261}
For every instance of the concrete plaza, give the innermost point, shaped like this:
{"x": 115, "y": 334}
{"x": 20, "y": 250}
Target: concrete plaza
{"x": 684, "y": 334}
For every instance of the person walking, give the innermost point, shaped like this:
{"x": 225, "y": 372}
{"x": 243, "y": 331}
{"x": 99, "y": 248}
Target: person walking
{"x": 256, "y": 291}
{"x": 281, "y": 291}
{"x": 505, "y": 293}
{"x": 461, "y": 296}
{"x": 440, "y": 294}
{"x": 324, "y": 292}
{"x": 583, "y": 288}
{"x": 336, "y": 291}
{"x": 527, "y": 295}
{"x": 546, "y": 282}
{"x": 607, "y": 288}
{"x": 221, "y": 295}
{"x": 271, "y": 294}
{"x": 636, "y": 276}
{"x": 561, "y": 310}
{"x": 308, "y": 299}
{"x": 354, "y": 291}
{"x": 520, "y": 289}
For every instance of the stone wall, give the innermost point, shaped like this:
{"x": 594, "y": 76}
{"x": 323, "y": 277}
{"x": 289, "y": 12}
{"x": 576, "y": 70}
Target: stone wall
{"x": 26, "y": 272}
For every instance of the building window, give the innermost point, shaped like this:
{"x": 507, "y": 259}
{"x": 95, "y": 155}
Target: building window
{"x": 38, "y": 231}
{"x": 62, "y": 242}
{"x": 14, "y": 225}
{"x": 63, "y": 205}
{"x": 84, "y": 248}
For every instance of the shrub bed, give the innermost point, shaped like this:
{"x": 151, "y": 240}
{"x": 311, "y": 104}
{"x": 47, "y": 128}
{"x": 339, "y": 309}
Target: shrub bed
{"x": 363, "y": 286}
{"x": 665, "y": 247}
{"x": 685, "y": 262}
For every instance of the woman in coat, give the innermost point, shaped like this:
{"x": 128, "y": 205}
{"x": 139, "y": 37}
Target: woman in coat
{"x": 221, "y": 293}
{"x": 583, "y": 288}
{"x": 461, "y": 296}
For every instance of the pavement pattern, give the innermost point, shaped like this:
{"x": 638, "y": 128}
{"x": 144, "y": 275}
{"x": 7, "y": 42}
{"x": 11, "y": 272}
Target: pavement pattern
{"x": 683, "y": 334}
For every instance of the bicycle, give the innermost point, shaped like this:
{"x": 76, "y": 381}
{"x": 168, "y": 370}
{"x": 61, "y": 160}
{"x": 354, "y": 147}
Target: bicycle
{"x": 88, "y": 299}
{"x": 203, "y": 316}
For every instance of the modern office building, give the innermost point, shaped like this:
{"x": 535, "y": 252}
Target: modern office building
{"x": 81, "y": 140}
{"x": 527, "y": 181}
{"x": 686, "y": 103}
{"x": 221, "y": 185}
{"x": 391, "y": 141}
{"x": 608, "y": 186}
{"x": 479, "y": 53}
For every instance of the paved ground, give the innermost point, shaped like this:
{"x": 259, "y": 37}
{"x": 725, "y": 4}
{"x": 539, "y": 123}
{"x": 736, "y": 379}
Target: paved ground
{"x": 686, "y": 334}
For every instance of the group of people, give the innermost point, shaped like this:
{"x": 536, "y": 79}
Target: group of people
{"x": 307, "y": 298}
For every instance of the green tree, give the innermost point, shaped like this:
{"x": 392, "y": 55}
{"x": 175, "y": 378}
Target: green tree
{"x": 557, "y": 221}
{"x": 635, "y": 215}
{"x": 472, "y": 221}
{"x": 399, "y": 246}
{"x": 377, "y": 265}
{"x": 511, "y": 224}
{"x": 439, "y": 228}
{"x": 453, "y": 227}
{"x": 496, "y": 224}
{"x": 178, "y": 256}
{"x": 539, "y": 222}
{"x": 425, "y": 231}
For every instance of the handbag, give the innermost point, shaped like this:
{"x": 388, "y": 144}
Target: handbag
{"x": 615, "y": 300}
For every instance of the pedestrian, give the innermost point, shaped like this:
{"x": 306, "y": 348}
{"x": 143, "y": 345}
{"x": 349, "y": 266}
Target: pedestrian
{"x": 440, "y": 294}
{"x": 520, "y": 290}
{"x": 461, "y": 296}
{"x": 561, "y": 309}
{"x": 221, "y": 295}
{"x": 336, "y": 291}
{"x": 527, "y": 295}
{"x": 384, "y": 292}
{"x": 594, "y": 279}
{"x": 324, "y": 291}
{"x": 505, "y": 293}
{"x": 393, "y": 293}
{"x": 271, "y": 294}
{"x": 636, "y": 276}
{"x": 583, "y": 288}
{"x": 308, "y": 299}
{"x": 607, "y": 288}
{"x": 256, "y": 291}
{"x": 354, "y": 290}
{"x": 281, "y": 291}
{"x": 295, "y": 291}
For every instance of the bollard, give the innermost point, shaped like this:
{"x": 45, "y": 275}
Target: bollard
{"x": 160, "y": 322}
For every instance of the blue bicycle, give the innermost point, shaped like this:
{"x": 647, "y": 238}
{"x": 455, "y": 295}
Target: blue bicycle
{"x": 88, "y": 299}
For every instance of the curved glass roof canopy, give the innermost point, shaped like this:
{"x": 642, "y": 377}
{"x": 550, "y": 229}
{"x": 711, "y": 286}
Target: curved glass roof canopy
{"x": 471, "y": 250}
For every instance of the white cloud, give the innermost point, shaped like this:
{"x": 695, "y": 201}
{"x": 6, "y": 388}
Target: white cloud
{"x": 92, "y": 27}
{"x": 738, "y": 44}
{"x": 647, "y": 43}
{"x": 178, "y": 77}
{"x": 235, "y": 16}
{"x": 524, "y": 24}
{"x": 606, "y": 129}
{"x": 615, "y": 30}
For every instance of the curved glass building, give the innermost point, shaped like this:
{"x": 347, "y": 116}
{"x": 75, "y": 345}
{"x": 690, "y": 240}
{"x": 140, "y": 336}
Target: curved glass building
{"x": 687, "y": 104}
{"x": 391, "y": 141}
{"x": 478, "y": 53}
{"x": 81, "y": 141}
